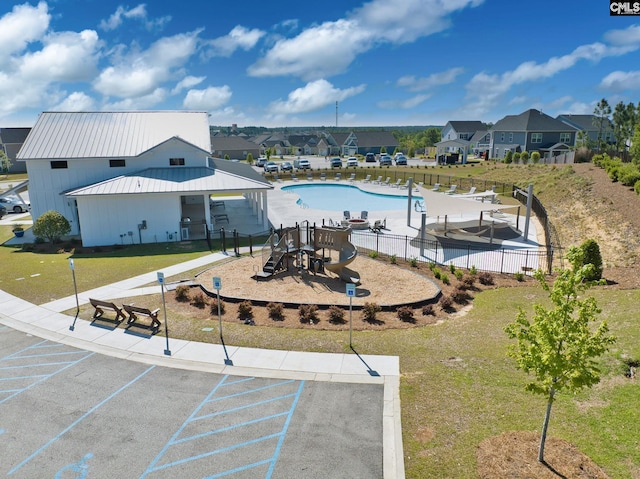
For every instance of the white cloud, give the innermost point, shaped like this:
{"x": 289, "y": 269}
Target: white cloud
{"x": 239, "y": 37}
{"x": 186, "y": 83}
{"x": 426, "y": 83}
{"x": 143, "y": 102}
{"x": 313, "y": 96}
{"x": 140, "y": 73}
{"x": 136, "y": 13}
{"x": 23, "y": 25}
{"x": 620, "y": 81}
{"x": 77, "y": 101}
{"x": 208, "y": 99}
{"x": 328, "y": 49}
{"x": 407, "y": 104}
{"x": 628, "y": 36}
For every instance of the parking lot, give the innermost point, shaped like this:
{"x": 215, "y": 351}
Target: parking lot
{"x": 71, "y": 413}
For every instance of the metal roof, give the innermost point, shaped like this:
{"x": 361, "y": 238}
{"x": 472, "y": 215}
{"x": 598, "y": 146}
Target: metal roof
{"x": 63, "y": 135}
{"x": 173, "y": 180}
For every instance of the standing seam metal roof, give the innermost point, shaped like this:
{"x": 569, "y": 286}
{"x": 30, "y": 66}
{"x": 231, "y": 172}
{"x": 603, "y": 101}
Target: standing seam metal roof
{"x": 64, "y": 135}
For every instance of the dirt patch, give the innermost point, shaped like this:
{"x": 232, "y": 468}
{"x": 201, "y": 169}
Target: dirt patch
{"x": 514, "y": 455}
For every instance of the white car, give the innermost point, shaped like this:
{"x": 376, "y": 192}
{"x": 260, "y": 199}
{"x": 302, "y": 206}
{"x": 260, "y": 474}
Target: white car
{"x": 15, "y": 204}
{"x": 352, "y": 161}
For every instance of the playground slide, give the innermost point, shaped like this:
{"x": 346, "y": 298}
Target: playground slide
{"x": 347, "y": 254}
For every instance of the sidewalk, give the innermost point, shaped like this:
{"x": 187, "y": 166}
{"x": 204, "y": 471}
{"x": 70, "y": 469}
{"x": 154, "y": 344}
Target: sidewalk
{"x": 47, "y": 321}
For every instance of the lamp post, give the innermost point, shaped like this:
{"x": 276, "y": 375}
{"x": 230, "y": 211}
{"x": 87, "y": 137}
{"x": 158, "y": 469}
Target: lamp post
{"x": 167, "y": 351}
{"x": 351, "y": 292}
{"x": 75, "y": 289}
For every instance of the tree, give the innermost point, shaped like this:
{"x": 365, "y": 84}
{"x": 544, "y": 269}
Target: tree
{"x": 591, "y": 255}
{"x": 433, "y": 136}
{"x": 51, "y": 225}
{"x": 601, "y": 120}
{"x": 535, "y": 157}
{"x": 5, "y": 162}
{"x": 558, "y": 346}
{"x": 635, "y": 146}
{"x": 250, "y": 158}
{"x": 524, "y": 157}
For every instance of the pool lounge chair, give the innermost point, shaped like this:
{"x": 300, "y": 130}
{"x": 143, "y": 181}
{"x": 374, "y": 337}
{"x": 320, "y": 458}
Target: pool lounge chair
{"x": 386, "y": 182}
{"x": 377, "y": 226}
{"x": 367, "y": 179}
{"x": 436, "y": 187}
{"x": 420, "y": 185}
{"x": 405, "y": 186}
{"x": 346, "y": 214}
{"x": 294, "y": 177}
{"x": 378, "y": 181}
{"x": 451, "y": 190}
{"x": 352, "y": 178}
{"x": 364, "y": 215}
{"x": 396, "y": 184}
{"x": 309, "y": 177}
{"x": 323, "y": 177}
{"x": 471, "y": 191}
{"x": 338, "y": 176}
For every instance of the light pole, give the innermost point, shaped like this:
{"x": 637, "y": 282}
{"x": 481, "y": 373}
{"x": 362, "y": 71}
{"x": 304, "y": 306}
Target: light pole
{"x": 217, "y": 285}
{"x": 75, "y": 289}
{"x": 167, "y": 351}
{"x": 351, "y": 292}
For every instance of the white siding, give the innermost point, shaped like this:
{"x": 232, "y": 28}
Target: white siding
{"x": 105, "y": 218}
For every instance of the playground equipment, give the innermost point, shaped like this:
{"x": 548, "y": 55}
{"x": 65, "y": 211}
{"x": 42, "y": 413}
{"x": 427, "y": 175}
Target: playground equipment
{"x": 292, "y": 246}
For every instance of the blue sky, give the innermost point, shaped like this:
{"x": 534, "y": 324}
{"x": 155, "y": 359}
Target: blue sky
{"x": 287, "y": 63}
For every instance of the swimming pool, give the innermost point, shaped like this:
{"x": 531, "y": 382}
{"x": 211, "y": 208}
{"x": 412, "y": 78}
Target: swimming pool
{"x": 346, "y": 197}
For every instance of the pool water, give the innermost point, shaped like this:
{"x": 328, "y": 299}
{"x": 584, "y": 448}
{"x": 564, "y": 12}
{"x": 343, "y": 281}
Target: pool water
{"x": 345, "y": 197}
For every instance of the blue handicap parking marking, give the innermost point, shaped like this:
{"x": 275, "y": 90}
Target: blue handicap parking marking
{"x": 241, "y": 423}
{"x": 78, "y": 470}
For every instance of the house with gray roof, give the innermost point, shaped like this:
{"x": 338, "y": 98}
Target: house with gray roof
{"x": 589, "y": 125}
{"x": 233, "y": 147}
{"x": 11, "y": 140}
{"x": 531, "y": 131}
{"x": 131, "y": 177}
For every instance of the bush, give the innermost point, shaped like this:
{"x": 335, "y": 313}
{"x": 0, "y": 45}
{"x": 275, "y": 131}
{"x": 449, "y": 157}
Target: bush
{"x": 437, "y": 273}
{"x": 405, "y": 314}
{"x": 468, "y": 280}
{"x": 308, "y": 313}
{"x": 458, "y": 274}
{"x": 446, "y": 304}
{"x": 485, "y": 278}
{"x": 445, "y": 278}
{"x": 535, "y": 157}
{"x": 519, "y": 275}
{"x": 183, "y": 294}
{"x": 524, "y": 157}
{"x": 460, "y": 295}
{"x": 214, "y": 307}
{"x": 392, "y": 259}
{"x": 336, "y": 314}
{"x": 51, "y": 225}
{"x": 591, "y": 255}
{"x": 452, "y": 268}
{"x": 473, "y": 270}
{"x": 199, "y": 301}
{"x": 373, "y": 254}
{"x": 413, "y": 261}
{"x": 276, "y": 311}
{"x": 245, "y": 310}
{"x": 369, "y": 311}
{"x": 427, "y": 310}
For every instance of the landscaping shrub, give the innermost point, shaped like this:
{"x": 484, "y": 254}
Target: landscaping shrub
{"x": 214, "y": 307}
{"x": 446, "y": 304}
{"x": 276, "y": 311}
{"x": 445, "y": 278}
{"x": 336, "y": 314}
{"x": 460, "y": 295}
{"x": 373, "y": 254}
{"x": 245, "y": 310}
{"x": 473, "y": 270}
{"x": 405, "y": 314}
{"x": 452, "y": 268}
{"x": 308, "y": 313}
{"x": 437, "y": 273}
{"x": 519, "y": 275}
{"x": 458, "y": 274}
{"x": 427, "y": 310}
{"x": 199, "y": 301}
{"x": 413, "y": 261}
{"x": 468, "y": 280}
{"x": 591, "y": 255}
{"x": 392, "y": 259}
{"x": 485, "y": 278}
{"x": 369, "y": 311}
{"x": 183, "y": 294}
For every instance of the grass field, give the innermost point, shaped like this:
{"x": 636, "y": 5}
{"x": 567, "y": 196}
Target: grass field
{"x": 457, "y": 386}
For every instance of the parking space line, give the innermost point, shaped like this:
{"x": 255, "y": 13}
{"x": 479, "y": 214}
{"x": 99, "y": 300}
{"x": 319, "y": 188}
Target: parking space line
{"x": 176, "y": 439}
{"x": 80, "y": 419}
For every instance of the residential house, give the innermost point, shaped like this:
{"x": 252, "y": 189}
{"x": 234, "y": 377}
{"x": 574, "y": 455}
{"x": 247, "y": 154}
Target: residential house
{"x": 590, "y": 127}
{"x": 233, "y": 147}
{"x": 364, "y": 141}
{"x": 303, "y": 144}
{"x": 132, "y": 176}
{"x": 531, "y": 131}
{"x": 461, "y": 130}
{"x": 480, "y": 143}
{"x": 11, "y": 140}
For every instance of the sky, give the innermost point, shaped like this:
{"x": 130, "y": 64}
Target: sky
{"x": 330, "y": 63}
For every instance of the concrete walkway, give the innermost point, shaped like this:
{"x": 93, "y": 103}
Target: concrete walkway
{"x": 48, "y": 322}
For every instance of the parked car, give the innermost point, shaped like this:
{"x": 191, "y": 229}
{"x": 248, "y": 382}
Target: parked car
{"x": 260, "y": 162}
{"x": 397, "y": 155}
{"x": 286, "y": 166}
{"x": 3, "y": 211}
{"x": 13, "y": 203}
{"x": 352, "y": 161}
{"x": 271, "y": 167}
{"x": 336, "y": 163}
{"x": 370, "y": 158}
{"x": 302, "y": 164}
{"x": 385, "y": 160}
{"x": 401, "y": 160}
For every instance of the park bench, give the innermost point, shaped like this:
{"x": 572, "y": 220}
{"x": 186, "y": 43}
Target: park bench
{"x": 102, "y": 305}
{"x": 134, "y": 311}
{"x": 220, "y": 217}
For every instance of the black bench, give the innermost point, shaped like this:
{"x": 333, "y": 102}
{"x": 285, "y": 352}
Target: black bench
{"x": 221, "y": 217}
{"x": 134, "y": 311}
{"x": 100, "y": 306}
{"x": 218, "y": 203}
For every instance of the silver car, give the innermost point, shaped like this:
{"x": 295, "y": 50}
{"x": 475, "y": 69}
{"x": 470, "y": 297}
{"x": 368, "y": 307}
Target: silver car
{"x": 15, "y": 204}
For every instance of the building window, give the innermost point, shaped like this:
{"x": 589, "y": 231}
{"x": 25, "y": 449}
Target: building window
{"x": 565, "y": 137}
{"x": 176, "y": 161}
{"x": 501, "y": 137}
{"x": 57, "y": 165}
{"x": 510, "y": 137}
{"x": 464, "y": 136}
{"x": 536, "y": 137}
{"x": 117, "y": 163}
